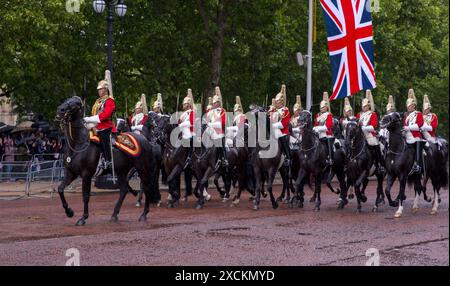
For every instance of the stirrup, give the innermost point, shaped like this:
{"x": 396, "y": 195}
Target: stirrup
{"x": 287, "y": 162}
{"x": 415, "y": 169}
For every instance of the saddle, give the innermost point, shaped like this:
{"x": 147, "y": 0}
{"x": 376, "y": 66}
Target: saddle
{"x": 125, "y": 142}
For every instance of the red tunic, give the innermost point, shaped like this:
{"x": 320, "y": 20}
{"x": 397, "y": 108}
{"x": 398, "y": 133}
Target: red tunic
{"x": 130, "y": 120}
{"x": 105, "y": 115}
{"x": 418, "y": 121}
{"x": 328, "y": 123}
{"x": 284, "y": 118}
{"x": 433, "y": 123}
{"x": 191, "y": 120}
{"x": 373, "y": 121}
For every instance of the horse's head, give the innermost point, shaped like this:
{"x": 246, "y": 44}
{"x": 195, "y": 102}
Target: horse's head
{"x": 351, "y": 129}
{"x": 392, "y": 122}
{"x": 70, "y": 109}
{"x": 336, "y": 128}
{"x": 305, "y": 119}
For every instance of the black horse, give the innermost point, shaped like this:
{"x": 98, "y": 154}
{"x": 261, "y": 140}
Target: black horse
{"x": 359, "y": 164}
{"x": 436, "y": 169}
{"x": 265, "y": 169}
{"x": 399, "y": 161}
{"x": 173, "y": 161}
{"x": 313, "y": 157}
{"x": 82, "y": 156}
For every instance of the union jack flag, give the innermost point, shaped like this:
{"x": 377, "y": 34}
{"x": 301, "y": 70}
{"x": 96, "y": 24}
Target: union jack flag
{"x": 349, "y": 29}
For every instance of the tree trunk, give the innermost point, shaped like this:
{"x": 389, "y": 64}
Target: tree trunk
{"x": 217, "y": 41}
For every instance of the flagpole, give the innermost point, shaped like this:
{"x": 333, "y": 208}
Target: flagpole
{"x": 309, "y": 64}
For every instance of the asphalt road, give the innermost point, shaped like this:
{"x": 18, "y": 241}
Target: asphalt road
{"x": 37, "y": 232}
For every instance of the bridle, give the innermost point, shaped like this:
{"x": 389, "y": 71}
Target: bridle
{"x": 66, "y": 122}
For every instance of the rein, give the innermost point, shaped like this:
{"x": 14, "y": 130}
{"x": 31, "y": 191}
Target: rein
{"x": 68, "y": 135}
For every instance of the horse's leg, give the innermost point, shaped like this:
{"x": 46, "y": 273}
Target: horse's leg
{"x": 317, "y": 189}
{"x": 380, "y": 194}
{"x": 123, "y": 193}
{"x": 86, "y": 186}
{"x": 150, "y": 187}
{"x": 401, "y": 196}
{"x": 365, "y": 182}
{"x": 216, "y": 183}
{"x": 424, "y": 187}
{"x": 343, "y": 192}
{"x": 68, "y": 178}
{"x": 227, "y": 180}
{"x": 257, "y": 197}
{"x": 280, "y": 198}
{"x": 390, "y": 181}
{"x": 203, "y": 188}
{"x": 436, "y": 200}
{"x": 417, "y": 190}
{"x": 358, "y": 198}
{"x": 187, "y": 183}
{"x": 298, "y": 189}
{"x": 272, "y": 174}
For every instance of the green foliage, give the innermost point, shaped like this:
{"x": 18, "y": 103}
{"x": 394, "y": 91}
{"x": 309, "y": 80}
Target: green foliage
{"x": 46, "y": 53}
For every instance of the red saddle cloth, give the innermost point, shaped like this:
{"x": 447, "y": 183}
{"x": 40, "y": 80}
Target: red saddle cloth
{"x": 125, "y": 142}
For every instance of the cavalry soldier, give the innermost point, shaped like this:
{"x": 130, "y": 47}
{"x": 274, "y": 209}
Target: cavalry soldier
{"x": 102, "y": 113}
{"x": 294, "y": 119}
{"x": 324, "y": 125}
{"x": 368, "y": 120}
{"x": 430, "y": 122}
{"x": 280, "y": 122}
{"x": 390, "y": 107}
{"x": 209, "y": 106}
{"x": 186, "y": 124}
{"x": 347, "y": 115}
{"x": 412, "y": 122}
{"x": 216, "y": 119}
{"x": 138, "y": 118}
{"x": 239, "y": 119}
{"x": 158, "y": 104}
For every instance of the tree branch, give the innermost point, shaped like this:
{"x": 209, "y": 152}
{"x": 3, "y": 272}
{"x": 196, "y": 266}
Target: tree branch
{"x": 202, "y": 9}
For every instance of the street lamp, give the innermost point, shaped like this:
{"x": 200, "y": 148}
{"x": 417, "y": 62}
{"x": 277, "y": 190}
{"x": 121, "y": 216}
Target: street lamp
{"x": 121, "y": 10}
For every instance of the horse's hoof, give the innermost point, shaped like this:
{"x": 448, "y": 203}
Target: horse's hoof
{"x": 81, "y": 222}
{"x": 198, "y": 207}
{"x": 351, "y": 196}
{"x": 374, "y": 209}
{"x": 363, "y": 198}
{"x": 275, "y": 205}
{"x": 255, "y": 208}
{"x": 69, "y": 212}
{"x": 415, "y": 210}
{"x": 143, "y": 218}
{"x": 316, "y": 209}
{"x": 207, "y": 197}
{"x": 300, "y": 205}
{"x": 433, "y": 212}
{"x": 138, "y": 204}
{"x": 224, "y": 200}
{"x": 398, "y": 214}
{"x": 114, "y": 219}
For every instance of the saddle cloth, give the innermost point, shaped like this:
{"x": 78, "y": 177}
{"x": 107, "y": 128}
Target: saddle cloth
{"x": 125, "y": 142}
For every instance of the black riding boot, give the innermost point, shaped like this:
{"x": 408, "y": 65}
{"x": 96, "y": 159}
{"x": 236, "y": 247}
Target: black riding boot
{"x": 417, "y": 167}
{"x": 330, "y": 151}
{"x": 380, "y": 159}
{"x": 284, "y": 142}
{"x": 224, "y": 153}
{"x": 105, "y": 140}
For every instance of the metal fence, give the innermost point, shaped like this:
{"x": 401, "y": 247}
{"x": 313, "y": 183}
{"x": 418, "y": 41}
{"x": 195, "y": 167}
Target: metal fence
{"x": 40, "y": 174}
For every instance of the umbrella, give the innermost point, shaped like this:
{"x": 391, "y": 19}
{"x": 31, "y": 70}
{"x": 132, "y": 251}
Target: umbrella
{"x": 23, "y": 126}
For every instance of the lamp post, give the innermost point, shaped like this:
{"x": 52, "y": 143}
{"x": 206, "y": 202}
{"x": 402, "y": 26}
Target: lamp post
{"x": 121, "y": 10}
